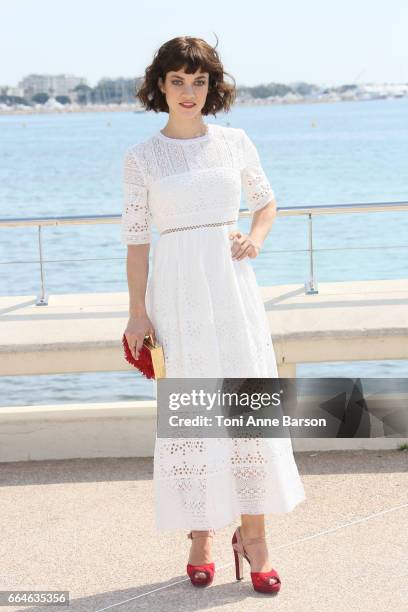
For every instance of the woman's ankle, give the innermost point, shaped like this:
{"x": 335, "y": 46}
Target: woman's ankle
{"x": 252, "y": 532}
{"x": 252, "y": 526}
{"x": 201, "y": 534}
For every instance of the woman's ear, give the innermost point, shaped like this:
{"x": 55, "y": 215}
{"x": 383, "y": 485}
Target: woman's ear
{"x": 160, "y": 84}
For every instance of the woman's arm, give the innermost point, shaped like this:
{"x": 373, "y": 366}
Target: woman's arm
{"x": 260, "y": 199}
{"x": 136, "y": 235}
{"x": 137, "y": 269}
{"x": 262, "y": 222}
{"x": 250, "y": 245}
{"x": 139, "y": 324}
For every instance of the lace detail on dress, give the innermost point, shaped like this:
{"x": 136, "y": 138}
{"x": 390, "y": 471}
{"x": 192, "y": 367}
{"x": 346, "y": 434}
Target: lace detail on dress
{"x": 188, "y": 227}
{"x": 258, "y": 191}
{"x": 178, "y": 184}
{"x": 195, "y": 476}
{"x": 136, "y": 214}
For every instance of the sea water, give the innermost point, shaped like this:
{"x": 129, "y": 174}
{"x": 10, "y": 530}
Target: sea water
{"x": 71, "y": 164}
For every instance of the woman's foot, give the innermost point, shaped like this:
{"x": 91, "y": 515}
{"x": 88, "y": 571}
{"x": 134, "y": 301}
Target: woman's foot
{"x": 257, "y": 552}
{"x": 201, "y": 550}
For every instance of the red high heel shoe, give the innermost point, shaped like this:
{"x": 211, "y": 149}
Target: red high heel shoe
{"x": 260, "y": 580}
{"x": 206, "y": 568}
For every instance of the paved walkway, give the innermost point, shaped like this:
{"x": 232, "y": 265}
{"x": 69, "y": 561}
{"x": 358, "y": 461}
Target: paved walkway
{"x": 87, "y": 526}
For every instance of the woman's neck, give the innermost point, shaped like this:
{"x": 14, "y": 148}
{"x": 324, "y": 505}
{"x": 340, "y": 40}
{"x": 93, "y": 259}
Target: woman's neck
{"x": 176, "y": 129}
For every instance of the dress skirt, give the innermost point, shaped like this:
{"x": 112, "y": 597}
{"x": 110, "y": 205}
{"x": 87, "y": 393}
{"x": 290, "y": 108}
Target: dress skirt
{"x": 209, "y": 316}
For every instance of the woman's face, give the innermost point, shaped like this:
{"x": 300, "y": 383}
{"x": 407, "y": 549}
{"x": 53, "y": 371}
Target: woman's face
{"x": 180, "y": 87}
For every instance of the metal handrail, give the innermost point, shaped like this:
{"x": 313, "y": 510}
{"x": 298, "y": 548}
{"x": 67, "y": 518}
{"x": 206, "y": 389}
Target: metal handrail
{"x": 282, "y": 211}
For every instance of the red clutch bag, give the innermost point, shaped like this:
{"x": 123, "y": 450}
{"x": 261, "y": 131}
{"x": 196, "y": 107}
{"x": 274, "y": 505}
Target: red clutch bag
{"x": 151, "y": 358}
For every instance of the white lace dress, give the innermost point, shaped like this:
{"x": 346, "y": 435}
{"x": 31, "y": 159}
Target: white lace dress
{"x": 209, "y": 316}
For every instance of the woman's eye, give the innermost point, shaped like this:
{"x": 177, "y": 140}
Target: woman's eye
{"x": 180, "y": 83}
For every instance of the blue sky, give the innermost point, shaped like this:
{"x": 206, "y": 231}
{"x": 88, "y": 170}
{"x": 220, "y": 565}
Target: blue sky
{"x": 327, "y": 42}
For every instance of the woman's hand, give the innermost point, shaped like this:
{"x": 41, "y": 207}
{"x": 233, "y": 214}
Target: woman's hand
{"x": 243, "y": 246}
{"x": 137, "y": 328}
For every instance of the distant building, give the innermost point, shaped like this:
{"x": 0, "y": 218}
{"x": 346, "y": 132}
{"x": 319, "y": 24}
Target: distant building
{"x": 5, "y": 90}
{"x": 53, "y": 85}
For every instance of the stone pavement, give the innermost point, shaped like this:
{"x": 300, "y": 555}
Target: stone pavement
{"x": 87, "y": 526}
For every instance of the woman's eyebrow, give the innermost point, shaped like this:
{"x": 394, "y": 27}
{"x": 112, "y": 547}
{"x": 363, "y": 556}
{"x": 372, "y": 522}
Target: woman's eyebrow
{"x": 202, "y": 74}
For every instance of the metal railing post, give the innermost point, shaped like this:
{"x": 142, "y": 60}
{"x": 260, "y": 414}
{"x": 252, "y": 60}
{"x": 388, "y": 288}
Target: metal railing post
{"x": 310, "y": 287}
{"x": 42, "y": 300}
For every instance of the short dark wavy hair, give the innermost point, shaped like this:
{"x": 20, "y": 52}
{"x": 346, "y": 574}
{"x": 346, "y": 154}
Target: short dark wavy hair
{"x": 190, "y": 54}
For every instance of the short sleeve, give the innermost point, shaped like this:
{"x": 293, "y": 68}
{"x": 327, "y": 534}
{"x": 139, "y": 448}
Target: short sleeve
{"x": 257, "y": 190}
{"x": 136, "y": 227}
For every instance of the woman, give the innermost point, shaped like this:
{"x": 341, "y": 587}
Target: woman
{"x": 202, "y": 303}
